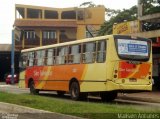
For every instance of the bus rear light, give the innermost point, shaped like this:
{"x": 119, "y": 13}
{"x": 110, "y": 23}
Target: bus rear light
{"x": 116, "y": 71}
{"x": 149, "y": 77}
{"x": 115, "y": 76}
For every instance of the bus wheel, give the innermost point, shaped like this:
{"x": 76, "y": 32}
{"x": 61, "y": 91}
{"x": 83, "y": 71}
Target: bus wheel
{"x": 108, "y": 96}
{"x": 75, "y": 91}
{"x": 32, "y": 88}
{"x": 60, "y": 93}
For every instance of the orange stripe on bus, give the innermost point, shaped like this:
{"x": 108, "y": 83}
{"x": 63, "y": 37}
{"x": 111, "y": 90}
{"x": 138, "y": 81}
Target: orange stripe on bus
{"x": 44, "y": 76}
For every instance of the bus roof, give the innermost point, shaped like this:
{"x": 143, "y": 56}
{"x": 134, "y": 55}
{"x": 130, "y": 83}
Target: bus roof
{"x": 67, "y": 43}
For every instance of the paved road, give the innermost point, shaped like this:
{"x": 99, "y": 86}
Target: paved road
{"x": 145, "y": 98}
{"x": 12, "y": 89}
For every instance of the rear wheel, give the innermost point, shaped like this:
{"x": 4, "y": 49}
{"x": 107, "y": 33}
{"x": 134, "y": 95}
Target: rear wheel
{"x": 32, "y": 88}
{"x": 75, "y": 92}
{"x": 108, "y": 96}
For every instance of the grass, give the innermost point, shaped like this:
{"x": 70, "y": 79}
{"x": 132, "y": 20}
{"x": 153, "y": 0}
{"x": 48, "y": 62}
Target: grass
{"x": 85, "y": 109}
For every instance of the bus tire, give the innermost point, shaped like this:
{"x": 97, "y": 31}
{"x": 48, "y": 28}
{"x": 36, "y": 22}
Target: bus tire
{"x": 60, "y": 93}
{"x": 74, "y": 91}
{"x": 108, "y": 96}
{"x": 32, "y": 88}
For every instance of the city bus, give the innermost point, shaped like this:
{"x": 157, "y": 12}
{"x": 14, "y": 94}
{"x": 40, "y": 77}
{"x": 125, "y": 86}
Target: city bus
{"x": 103, "y": 65}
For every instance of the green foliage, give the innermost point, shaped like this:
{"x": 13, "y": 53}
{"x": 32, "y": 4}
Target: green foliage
{"x": 150, "y": 6}
{"x": 87, "y": 4}
{"x": 118, "y": 16}
{"x": 125, "y": 14}
{"x": 111, "y": 12}
{"x": 85, "y": 109}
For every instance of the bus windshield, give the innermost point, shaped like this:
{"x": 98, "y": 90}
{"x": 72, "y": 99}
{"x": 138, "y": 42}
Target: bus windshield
{"x": 133, "y": 49}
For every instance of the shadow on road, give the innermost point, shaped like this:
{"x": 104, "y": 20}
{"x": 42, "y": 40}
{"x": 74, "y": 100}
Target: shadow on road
{"x": 93, "y": 99}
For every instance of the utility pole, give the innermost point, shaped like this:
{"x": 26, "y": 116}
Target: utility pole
{"x": 12, "y": 58}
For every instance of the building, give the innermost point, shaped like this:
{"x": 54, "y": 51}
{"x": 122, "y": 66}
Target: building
{"x": 5, "y": 60}
{"x": 137, "y": 28}
{"x": 153, "y": 34}
{"x": 38, "y": 26}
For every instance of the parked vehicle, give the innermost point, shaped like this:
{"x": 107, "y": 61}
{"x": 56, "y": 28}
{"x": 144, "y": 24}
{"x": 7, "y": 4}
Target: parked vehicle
{"x": 9, "y": 79}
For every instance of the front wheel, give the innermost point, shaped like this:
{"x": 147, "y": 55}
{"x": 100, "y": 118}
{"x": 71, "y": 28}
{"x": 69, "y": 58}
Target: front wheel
{"x": 32, "y": 88}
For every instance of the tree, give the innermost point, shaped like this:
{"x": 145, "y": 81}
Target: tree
{"x": 150, "y": 6}
{"x": 125, "y": 14}
{"x": 111, "y": 12}
{"x": 87, "y": 4}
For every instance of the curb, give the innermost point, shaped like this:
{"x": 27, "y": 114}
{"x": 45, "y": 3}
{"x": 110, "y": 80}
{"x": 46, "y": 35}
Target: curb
{"x": 18, "y": 109}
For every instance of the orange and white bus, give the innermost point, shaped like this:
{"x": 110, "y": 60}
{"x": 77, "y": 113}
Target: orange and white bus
{"x": 104, "y": 65}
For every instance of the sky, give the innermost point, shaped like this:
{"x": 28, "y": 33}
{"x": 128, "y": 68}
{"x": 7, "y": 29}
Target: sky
{"x": 7, "y": 7}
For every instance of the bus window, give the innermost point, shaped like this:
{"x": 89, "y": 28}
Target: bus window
{"x": 54, "y": 55}
{"x": 38, "y": 53}
{"x": 31, "y": 58}
{"x": 89, "y": 52}
{"x": 50, "y": 57}
{"x": 75, "y": 54}
{"x": 40, "y": 57}
{"x": 23, "y": 61}
{"x": 133, "y": 49}
{"x": 45, "y": 57}
{"x": 101, "y": 51}
{"x": 35, "y": 58}
{"x": 62, "y": 53}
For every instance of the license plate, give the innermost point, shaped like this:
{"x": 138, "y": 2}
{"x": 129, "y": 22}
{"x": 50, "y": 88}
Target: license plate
{"x": 132, "y": 80}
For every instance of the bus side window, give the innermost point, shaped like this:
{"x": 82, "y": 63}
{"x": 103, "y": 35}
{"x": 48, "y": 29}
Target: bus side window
{"x": 23, "y": 61}
{"x": 31, "y": 58}
{"x": 66, "y": 54}
{"x": 45, "y": 57}
{"x": 38, "y": 53}
{"x": 50, "y": 57}
{"x": 89, "y": 52}
{"x": 35, "y": 58}
{"x": 70, "y": 56}
{"x": 101, "y": 51}
{"x": 54, "y": 55}
{"x": 62, "y": 57}
{"x": 28, "y": 59}
{"x": 75, "y": 54}
{"x": 58, "y": 58}
{"x": 40, "y": 57}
